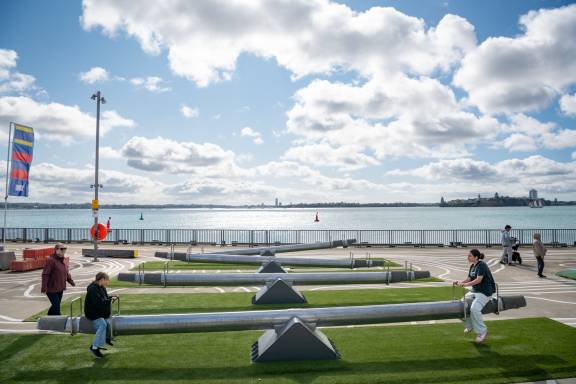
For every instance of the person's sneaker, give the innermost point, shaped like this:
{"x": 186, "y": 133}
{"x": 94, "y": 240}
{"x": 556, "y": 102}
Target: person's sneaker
{"x": 96, "y": 352}
{"x": 481, "y": 337}
{"x": 109, "y": 342}
{"x": 542, "y": 276}
{"x": 467, "y": 330}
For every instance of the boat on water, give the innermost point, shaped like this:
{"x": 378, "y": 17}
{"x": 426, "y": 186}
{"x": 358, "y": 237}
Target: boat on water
{"x": 536, "y": 203}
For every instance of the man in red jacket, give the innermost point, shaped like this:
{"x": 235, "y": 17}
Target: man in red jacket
{"x": 54, "y": 278}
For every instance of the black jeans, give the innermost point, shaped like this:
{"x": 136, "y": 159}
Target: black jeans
{"x": 540, "y": 265}
{"x": 55, "y": 299}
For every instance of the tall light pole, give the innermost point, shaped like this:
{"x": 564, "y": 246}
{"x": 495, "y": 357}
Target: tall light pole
{"x": 95, "y": 205}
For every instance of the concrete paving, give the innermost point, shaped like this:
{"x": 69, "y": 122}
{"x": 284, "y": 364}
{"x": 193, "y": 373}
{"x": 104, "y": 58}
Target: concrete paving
{"x": 553, "y": 297}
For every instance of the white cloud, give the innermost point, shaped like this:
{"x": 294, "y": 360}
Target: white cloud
{"x": 512, "y": 175}
{"x": 188, "y": 112}
{"x": 54, "y": 183}
{"x": 165, "y": 155}
{"x": 465, "y": 169}
{"x": 568, "y": 105}
{"x": 8, "y": 58}
{"x": 57, "y": 121}
{"x": 254, "y": 135}
{"x": 13, "y": 82}
{"x": 396, "y": 116}
{"x": 94, "y": 75}
{"x": 304, "y": 36}
{"x": 519, "y": 143}
{"x": 523, "y": 73}
{"x": 565, "y": 138}
{"x": 529, "y": 125}
{"x": 345, "y": 158}
{"x": 573, "y": 155}
{"x": 223, "y": 190}
{"x": 110, "y": 153}
{"x": 150, "y": 83}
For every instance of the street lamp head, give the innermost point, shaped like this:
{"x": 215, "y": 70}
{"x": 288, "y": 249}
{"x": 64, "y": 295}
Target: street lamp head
{"x": 94, "y": 97}
{"x": 103, "y": 100}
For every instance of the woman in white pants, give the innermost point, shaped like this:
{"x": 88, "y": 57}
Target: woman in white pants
{"x": 483, "y": 286}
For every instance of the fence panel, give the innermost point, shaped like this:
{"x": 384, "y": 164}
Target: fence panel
{"x": 385, "y": 237}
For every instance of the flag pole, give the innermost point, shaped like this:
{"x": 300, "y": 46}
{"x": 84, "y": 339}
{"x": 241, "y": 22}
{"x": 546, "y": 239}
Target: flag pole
{"x": 6, "y": 195}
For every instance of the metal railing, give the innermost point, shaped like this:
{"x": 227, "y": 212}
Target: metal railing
{"x": 384, "y": 237}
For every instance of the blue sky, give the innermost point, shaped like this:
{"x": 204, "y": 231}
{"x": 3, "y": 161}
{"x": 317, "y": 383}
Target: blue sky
{"x": 241, "y": 102}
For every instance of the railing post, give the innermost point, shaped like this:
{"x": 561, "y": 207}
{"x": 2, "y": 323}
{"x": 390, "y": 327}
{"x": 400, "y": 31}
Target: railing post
{"x": 168, "y": 239}
{"x": 45, "y": 235}
{"x": 141, "y": 236}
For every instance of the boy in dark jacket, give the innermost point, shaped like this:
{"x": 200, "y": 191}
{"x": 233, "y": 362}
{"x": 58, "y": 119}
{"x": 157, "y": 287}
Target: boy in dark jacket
{"x": 97, "y": 308}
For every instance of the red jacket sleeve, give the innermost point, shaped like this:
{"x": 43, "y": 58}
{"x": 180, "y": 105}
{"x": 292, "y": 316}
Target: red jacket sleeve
{"x": 46, "y": 274}
{"x": 69, "y": 279}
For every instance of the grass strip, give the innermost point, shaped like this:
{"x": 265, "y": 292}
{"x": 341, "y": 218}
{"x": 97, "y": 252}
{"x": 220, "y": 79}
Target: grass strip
{"x": 569, "y": 274}
{"x": 183, "y": 265}
{"x": 405, "y": 354}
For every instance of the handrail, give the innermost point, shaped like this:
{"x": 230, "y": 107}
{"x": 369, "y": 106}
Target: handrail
{"x": 554, "y": 237}
{"x": 79, "y": 299}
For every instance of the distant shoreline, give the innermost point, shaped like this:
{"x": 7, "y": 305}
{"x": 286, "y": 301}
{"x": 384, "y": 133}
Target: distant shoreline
{"x": 451, "y": 204}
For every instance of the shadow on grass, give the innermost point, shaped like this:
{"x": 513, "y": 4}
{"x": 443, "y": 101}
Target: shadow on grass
{"x": 20, "y": 344}
{"x": 405, "y": 371}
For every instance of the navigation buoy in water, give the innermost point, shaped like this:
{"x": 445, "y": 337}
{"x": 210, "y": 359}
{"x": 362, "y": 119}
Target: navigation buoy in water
{"x": 141, "y": 216}
{"x": 316, "y": 219}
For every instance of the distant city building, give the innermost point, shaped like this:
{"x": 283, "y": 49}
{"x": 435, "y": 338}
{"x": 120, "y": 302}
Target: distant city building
{"x": 442, "y": 201}
{"x": 496, "y": 195}
{"x": 533, "y": 194}
{"x": 276, "y": 202}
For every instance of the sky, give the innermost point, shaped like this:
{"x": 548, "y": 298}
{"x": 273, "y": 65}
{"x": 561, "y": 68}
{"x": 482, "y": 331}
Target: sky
{"x": 241, "y": 102}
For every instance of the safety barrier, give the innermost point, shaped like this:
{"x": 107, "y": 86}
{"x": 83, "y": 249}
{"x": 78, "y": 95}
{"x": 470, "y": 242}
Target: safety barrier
{"x": 364, "y": 238}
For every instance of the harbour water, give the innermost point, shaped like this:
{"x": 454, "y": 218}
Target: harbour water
{"x": 293, "y": 218}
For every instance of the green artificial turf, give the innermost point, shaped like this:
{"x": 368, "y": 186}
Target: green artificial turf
{"x": 115, "y": 283}
{"x": 517, "y": 350}
{"x": 132, "y": 304}
{"x": 184, "y": 265}
{"x": 569, "y": 274}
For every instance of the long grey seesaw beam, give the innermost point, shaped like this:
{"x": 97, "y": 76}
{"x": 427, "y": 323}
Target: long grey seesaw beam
{"x": 240, "y": 279}
{"x": 292, "y": 333}
{"x": 290, "y": 247}
{"x": 262, "y": 260}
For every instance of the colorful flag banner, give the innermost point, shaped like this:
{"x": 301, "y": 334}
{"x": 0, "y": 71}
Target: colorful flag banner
{"x": 22, "y": 148}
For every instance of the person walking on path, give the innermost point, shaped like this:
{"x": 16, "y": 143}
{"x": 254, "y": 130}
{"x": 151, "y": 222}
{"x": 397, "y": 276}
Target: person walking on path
{"x": 108, "y": 225}
{"x": 54, "y": 278}
{"x": 539, "y": 253}
{"x": 507, "y": 246}
{"x": 483, "y": 287}
{"x": 97, "y": 309}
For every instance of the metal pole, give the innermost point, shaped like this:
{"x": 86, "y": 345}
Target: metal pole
{"x": 7, "y": 177}
{"x": 99, "y": 99}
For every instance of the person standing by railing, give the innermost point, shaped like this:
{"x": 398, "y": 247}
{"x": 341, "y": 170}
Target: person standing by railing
{"x": 539, "y": 253}
{"x": 54, "y": 278}
{"x": 507, "y": 246}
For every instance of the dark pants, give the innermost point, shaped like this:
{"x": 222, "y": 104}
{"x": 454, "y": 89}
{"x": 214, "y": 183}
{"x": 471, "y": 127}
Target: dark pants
{"x": 540, "y": 265}
{"x": 55, "y": 299}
